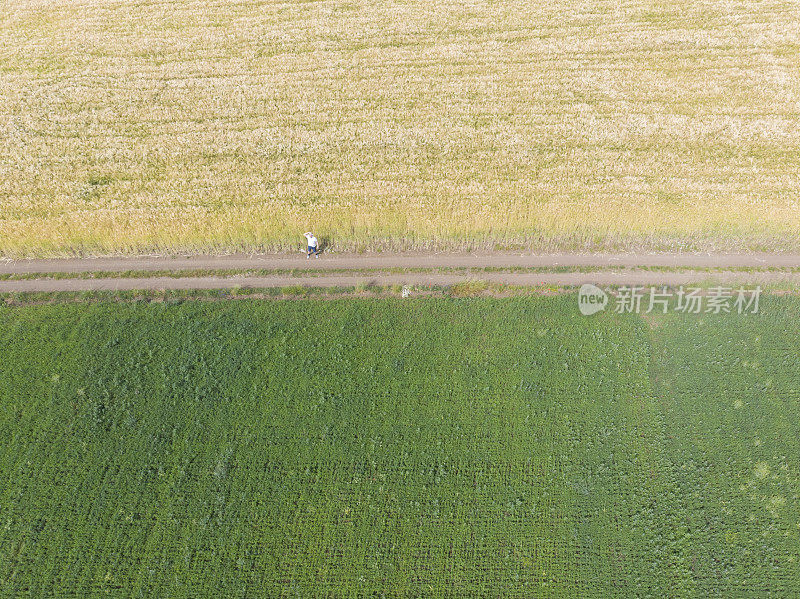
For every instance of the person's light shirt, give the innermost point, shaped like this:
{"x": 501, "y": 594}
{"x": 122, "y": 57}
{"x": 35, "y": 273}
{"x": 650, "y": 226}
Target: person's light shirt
{"x": 312, "y": 242}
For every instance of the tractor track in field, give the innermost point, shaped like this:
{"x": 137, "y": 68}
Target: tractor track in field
{"x": 347, "y": 270}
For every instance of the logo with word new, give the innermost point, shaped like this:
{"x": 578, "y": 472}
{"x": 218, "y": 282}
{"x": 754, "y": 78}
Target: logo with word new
{"x": 688, "y": 300}
{"x": 591, "y": 299}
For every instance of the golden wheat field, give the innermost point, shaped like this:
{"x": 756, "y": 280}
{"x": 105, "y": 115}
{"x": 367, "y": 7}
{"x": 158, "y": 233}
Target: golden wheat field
{"x": 381, "y": 124}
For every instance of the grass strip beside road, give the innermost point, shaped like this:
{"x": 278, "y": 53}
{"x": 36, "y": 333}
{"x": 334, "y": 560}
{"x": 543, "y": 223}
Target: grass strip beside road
{"x": 321, "y": 272}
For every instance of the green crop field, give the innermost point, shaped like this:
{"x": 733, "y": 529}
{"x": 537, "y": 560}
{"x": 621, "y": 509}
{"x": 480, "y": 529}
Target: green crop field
{"x": 167, "y": 125}
{"x": 476, "y": 447}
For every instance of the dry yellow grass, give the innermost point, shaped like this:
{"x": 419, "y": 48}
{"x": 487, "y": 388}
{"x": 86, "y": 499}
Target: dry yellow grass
{"x": 230, "y": 125}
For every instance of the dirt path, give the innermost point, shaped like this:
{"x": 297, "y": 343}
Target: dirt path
{"x": 620, "y": 269}
{"x": 406, "y": 260}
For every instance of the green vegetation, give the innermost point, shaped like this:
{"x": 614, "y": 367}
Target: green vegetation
{"x": 315, "y": 272}
{"x": 502, "y": 447}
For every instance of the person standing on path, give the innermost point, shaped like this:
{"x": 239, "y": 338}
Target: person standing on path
{"x": 312, "y": 245}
